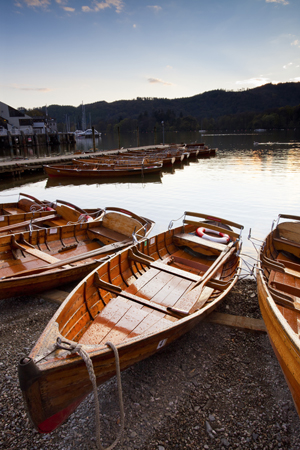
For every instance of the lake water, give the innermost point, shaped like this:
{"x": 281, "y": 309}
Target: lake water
{"x": 245, "y": 182}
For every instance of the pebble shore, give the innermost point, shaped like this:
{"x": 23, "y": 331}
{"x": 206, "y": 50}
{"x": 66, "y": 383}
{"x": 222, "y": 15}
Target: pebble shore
{"x": 215, "y": 388}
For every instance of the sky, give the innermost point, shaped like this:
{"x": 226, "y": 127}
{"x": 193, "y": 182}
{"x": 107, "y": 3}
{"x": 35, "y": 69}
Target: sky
{"x": 69, "y": 52}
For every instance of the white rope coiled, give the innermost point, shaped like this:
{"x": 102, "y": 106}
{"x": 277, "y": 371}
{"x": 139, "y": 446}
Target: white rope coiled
{"x": 89, "y": 365}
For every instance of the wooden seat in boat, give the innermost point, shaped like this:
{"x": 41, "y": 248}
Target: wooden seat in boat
{"x": 13, "y": 211}
{"x": 187, "y": 239}
{"x": 287, "y": 238}
{"x": 101, "y": 231}
{"x": 117, "y": 228}
{"x": 286, "y": 280}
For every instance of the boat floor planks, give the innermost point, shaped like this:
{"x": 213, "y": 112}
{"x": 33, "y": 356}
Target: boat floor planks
{"x": 162, "y": 284}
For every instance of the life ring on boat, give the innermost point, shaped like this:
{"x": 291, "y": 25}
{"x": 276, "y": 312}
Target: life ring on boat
{"x": 48, "y": 208}
{"x": 85, "y": 218}
{"x": 220, "y": 237}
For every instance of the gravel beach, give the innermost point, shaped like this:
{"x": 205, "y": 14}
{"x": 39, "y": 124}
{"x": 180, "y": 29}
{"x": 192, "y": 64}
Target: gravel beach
{"x": 215, "y": 388}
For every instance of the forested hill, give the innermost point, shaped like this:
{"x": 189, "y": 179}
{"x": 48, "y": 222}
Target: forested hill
{"x": 209, "y": 106}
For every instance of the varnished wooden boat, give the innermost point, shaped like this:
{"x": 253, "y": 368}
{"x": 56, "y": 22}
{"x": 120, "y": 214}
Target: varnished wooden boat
{"x": 37, "y": 214}
{"x": 178, "y": 153}
{"x": 26, "y": 208}
{"x": 166, "y": 157}
{"x": 117, "y": 163}
{"x": 141, "y": 299}
{"x": 278, "y": 284}
{"x": 39, "y": 260}
{"x": 200, "y": 150}
{"x": 76, "y": 171}
{"x": 131, "y": 159}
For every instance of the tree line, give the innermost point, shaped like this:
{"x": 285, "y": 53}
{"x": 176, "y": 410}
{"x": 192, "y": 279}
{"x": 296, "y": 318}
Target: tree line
{"x": 269, "y": 106}
{"x": 278, "y": 118}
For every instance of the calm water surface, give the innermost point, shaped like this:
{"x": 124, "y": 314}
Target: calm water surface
{"x": 246, "y": 183}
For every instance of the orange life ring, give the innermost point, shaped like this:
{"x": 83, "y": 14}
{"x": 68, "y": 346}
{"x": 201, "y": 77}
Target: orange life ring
{"x": 222, "y": 238}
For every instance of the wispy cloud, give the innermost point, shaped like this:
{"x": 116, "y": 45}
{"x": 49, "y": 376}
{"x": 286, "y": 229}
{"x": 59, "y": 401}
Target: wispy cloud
{"x": 296, "y": 42}
{"x": 259, "y": 81}
{"x": 68, "y": 9}
{"x": 287, "y": 65}
{"x": 157, "y": 80}
{"x": 99, "y": 6}
{"x": 282, "y": 2}
{"x": 33, "y": 3}
{"x": 63, "y": 5}
{"x": 28, "y": 88}
{"x": 155, "y": 8}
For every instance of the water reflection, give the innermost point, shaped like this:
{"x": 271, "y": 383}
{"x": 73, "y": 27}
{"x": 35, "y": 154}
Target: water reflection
{"x": 70, "y": 181}
{"x": 245, "y": 183}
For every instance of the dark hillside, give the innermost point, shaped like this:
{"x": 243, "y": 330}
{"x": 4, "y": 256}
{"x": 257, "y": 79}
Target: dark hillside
{"x": 209, "y": 105}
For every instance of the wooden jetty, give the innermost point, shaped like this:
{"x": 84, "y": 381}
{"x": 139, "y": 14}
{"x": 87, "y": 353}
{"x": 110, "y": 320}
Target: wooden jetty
{"x": 19, "y": 167}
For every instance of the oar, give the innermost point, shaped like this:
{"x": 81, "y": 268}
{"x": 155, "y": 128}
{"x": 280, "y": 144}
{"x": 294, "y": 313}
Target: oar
{"x": 15, "y": 226}
{"x": 82, "y": 211}
{"x": 39, "y": 202}
{"x": 194, "y": 291}
{"x": 107, "y": 248}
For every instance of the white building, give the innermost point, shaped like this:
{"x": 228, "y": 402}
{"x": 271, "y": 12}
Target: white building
{"x": 15, "y": 121}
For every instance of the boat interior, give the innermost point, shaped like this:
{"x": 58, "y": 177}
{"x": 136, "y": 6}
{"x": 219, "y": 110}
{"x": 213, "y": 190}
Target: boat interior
{"x": 150, "y": 286}
{"x": 23, "y": 253}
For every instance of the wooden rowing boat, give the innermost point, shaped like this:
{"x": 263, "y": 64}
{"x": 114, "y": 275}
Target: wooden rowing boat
{"x": 103, "y": 171}
{"x": 166, "y": 157}
{"x": 27, "y": 207}
{"x": 70, "y": 181}
{"x": 141, "y": 299}
{"x": 43, "y": 214}
{"x": 278, "y": 284}
{"x": 130, "y": 159}
{"x": 117, "y": 163}
{"x": 39, "y": 260}
{"x": 200, "y": 150}
{"x": 178, "y": 153}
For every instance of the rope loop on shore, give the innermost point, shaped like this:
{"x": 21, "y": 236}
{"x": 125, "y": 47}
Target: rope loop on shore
{"x": 78, "y": 348}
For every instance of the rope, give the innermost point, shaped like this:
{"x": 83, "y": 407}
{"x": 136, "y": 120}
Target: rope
{"x": 78, "y": 348}
{"x": 174, "y": 220}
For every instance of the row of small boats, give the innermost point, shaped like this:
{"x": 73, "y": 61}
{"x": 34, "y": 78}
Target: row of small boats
{"x": 134, "y": 162}
{"x": 136, "y": 293}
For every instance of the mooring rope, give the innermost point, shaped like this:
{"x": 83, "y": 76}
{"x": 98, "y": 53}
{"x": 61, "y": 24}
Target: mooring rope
{"x": 78, "y": 348}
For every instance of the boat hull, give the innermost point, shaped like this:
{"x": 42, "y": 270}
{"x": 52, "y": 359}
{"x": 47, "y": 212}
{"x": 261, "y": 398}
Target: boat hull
{"x": 58, "y": 380}
{"x": 280, "y": 321}
{"x": 285, "y": 348}
{"x": 81, "y": 171}
{"x": 51, "y": 408}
